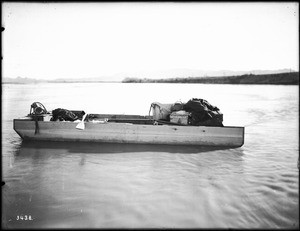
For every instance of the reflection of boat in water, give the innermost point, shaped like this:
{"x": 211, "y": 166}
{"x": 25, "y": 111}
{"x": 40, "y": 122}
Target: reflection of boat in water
{"x": 113, "y": 148}
{"x": 134, "y": 129}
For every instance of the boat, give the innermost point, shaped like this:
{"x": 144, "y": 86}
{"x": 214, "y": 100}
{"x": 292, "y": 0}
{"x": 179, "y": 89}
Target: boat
{"x": 120, "y": 128}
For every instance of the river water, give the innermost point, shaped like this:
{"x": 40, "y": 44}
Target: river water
{"x": 81, "y": 185}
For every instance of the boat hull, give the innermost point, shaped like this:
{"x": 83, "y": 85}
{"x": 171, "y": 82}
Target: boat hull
{"x": 130, "y": 133}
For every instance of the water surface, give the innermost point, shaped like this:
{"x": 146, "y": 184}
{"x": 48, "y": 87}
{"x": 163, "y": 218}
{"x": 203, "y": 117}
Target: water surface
{"x": 82, "y": 185}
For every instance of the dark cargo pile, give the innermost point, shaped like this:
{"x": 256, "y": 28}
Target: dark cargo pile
{"x": 203, "y": 113}
{"x": 65, "y": 115}
{"x": 196, "y": 112}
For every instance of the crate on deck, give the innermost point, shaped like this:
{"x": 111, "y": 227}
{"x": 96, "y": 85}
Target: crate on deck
{"x": 180, "y": 117}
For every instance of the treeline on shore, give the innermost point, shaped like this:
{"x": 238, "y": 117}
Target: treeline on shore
{"x": 290, "y": 78}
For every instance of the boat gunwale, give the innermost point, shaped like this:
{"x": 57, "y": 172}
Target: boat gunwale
{"x": 90, "y": 122}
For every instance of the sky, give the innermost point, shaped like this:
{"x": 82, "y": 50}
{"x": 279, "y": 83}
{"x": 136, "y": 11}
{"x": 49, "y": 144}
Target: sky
{"x": 84, "y": 40}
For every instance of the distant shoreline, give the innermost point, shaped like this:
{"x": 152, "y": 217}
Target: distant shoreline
{"x": 290, "y": 78}
{"x": 41, "y": 81}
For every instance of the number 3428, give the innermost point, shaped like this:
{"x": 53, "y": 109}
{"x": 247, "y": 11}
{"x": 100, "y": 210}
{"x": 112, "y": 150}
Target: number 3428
{"x": 24, "y": 218}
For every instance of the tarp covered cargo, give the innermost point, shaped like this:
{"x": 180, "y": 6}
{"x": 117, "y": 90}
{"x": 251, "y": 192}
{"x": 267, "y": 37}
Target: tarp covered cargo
{"x": 196, "y": 112}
